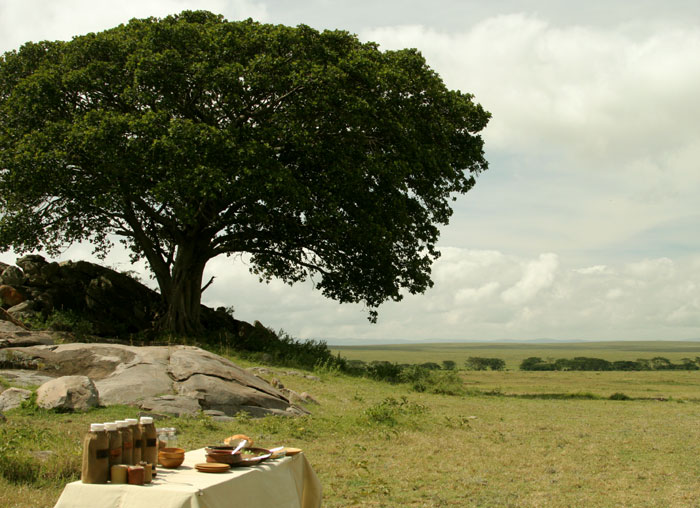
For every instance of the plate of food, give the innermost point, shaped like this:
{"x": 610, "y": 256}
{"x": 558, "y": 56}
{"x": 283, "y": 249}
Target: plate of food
{"x": 244, "y": 457}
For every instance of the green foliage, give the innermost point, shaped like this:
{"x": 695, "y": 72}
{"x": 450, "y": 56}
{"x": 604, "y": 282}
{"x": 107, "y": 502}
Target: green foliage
{"x": 384, "y": 371}
{"x": 311, "y": 153}
{"x": 391, "y": 410}
{"x": 619, "y": 396}
{"x": 582, "y": 363}
{"x": 448, "y": 365}
{"x": 445, "y": 383}
{"x": 280, "y": 348}
{"x": 479, "y": 363}
{"x": 65, "y": 321}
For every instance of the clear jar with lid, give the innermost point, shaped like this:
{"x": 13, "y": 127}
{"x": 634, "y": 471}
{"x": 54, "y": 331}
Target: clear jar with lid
{"x": 162, "y": 437}
{"x": 172, "y": 437}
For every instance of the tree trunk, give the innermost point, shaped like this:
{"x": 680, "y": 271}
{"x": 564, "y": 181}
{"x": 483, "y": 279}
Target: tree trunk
{"x": 183, "y": 295}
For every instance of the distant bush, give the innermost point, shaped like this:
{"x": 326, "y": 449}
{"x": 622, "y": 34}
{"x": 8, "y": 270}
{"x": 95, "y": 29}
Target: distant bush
{"x": 536, "y": 363}
{"x": 583, "y": 363}
{"x": 384, "y": 371}
{"x": 479, "y": 363}
{"x": 619, "y": 396}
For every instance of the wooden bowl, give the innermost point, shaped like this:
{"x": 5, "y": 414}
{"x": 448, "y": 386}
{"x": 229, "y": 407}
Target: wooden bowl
{"x": 171, "y": 462}
{"x": 171, "y": 457}
{"x": 172, "y": 451}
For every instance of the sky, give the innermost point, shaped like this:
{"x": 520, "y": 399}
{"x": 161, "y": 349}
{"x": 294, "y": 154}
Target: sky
{"x": 585, "y": 225}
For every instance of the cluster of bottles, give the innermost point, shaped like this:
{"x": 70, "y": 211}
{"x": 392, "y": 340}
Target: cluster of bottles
{"x": 117, "y": 451}
{"x": 167, "y": 437}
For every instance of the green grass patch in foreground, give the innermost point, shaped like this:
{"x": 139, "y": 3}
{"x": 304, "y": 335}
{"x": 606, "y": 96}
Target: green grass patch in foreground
{"x": 378, "y": 444}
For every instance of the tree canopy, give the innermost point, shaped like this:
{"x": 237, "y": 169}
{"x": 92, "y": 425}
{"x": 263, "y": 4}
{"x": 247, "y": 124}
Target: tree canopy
{"x": 191, "y": 136}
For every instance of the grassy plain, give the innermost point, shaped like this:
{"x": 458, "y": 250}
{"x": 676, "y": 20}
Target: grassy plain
{"x": 515, "y": 352}
{"x": 520, "y": 439}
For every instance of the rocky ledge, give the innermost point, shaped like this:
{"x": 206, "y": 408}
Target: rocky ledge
{"x": 177, "y": 380}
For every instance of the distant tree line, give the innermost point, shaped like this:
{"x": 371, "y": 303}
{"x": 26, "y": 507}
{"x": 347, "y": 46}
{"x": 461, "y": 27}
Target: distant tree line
{"x": 479, "y": 363}
{"x": 598, "y": 364}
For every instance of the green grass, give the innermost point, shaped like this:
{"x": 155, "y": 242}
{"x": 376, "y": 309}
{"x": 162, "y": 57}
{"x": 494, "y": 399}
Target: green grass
{"x": 516, "y": 439}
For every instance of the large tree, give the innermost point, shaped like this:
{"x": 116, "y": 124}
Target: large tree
{"x": 190, "y": 137}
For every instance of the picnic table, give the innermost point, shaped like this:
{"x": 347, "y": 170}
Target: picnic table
{"x": 287, "y": 482}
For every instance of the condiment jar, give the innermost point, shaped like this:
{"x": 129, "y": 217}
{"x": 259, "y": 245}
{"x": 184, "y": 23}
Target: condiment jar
{"x": 136, "y": 475}
{"x": 148, "y": 472}
{"x": 115, "y": 443}
{"x": 127, "y": 442}
{"x": 149, "y": 447}
{"x": 136, "y": 432}
{"x": 118, "y": 473}
{"x": 95, "y": 466}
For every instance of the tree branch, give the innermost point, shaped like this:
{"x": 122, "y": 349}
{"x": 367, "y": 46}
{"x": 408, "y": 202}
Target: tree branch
{"x": 207, "y": 284}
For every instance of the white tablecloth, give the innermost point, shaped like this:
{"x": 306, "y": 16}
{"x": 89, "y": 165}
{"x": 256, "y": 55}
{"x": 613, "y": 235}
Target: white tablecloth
{"x": 288, "y": 482}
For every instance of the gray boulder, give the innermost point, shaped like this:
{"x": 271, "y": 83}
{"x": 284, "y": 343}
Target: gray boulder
{"x": 162, "y": 379}
{"x": 12, "y": 335}
{"x": 68, "y": 393}
{"x": 13, "y": 397}
{"x": 23, "y": 311}
{"x": 178, "y": 405}
{"x": 24, "y": 378}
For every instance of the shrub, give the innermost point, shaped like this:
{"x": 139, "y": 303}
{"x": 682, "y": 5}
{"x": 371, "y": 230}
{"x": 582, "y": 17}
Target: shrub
{"x": 479, "y": 363}
{"x": 384, "y": 371}
{"x": 389, "y": 410}
{"x": 446, "y": 382}
{"x": 619, "y": 396}
{"x": 536, "y": 363}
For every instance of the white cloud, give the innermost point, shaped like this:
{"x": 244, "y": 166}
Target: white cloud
{"x": 593, "y": 270}
{"x": 537, "y": 276}
{"x": 474, "y": 295}
{"x": 652, "y": 268}
{"x": 598, "y": 123}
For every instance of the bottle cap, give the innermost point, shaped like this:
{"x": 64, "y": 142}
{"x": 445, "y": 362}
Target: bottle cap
{"x": 97, "y": 427}
{"x": 110, "y": 425}
{"x": 132, "y": 421}
{"x": 146, "y": 420}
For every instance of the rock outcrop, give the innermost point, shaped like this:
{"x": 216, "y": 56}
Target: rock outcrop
{"x": 169, "y": 379}
{"x": 163, "y": 379}
{"x": 103, "y": 302}
{"x": 116, "y": 303}
{"x": 12, "y": 335}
